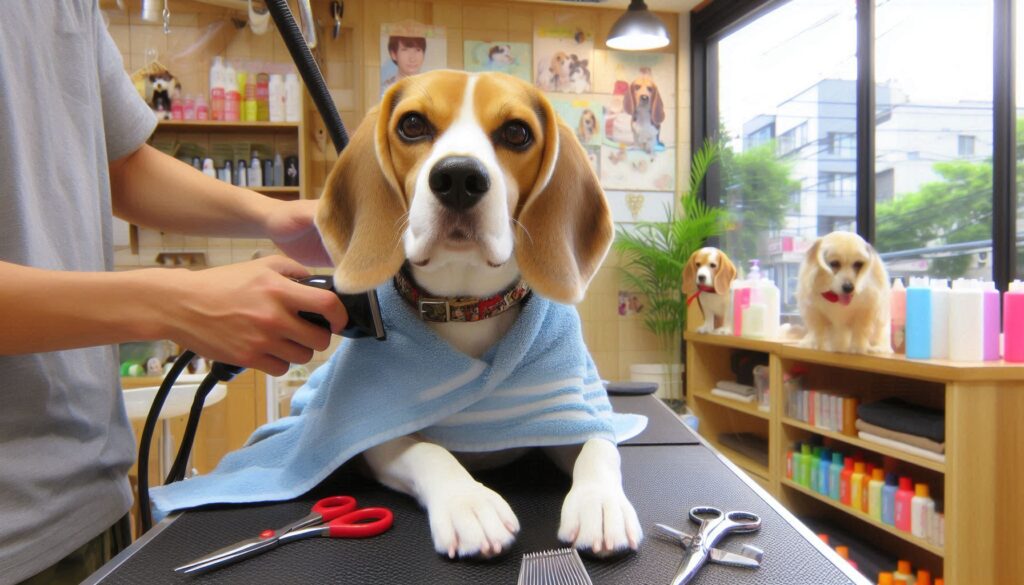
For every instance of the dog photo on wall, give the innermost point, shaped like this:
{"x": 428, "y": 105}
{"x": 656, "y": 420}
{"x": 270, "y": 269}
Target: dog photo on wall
{"x": 563, "y": 58}
{"x": 501, "y": 56}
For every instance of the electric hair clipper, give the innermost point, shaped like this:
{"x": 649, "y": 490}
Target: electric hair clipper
{"x": 363, "y": 310}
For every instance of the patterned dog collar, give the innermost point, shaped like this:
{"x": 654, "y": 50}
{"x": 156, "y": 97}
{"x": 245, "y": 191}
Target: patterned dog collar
{"x": 465, "y": 309}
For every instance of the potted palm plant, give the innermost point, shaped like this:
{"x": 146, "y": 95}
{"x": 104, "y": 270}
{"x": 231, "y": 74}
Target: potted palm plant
{"x": 653, "y": 255}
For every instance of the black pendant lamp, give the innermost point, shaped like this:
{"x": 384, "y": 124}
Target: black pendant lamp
{"x": 637, "y": 30}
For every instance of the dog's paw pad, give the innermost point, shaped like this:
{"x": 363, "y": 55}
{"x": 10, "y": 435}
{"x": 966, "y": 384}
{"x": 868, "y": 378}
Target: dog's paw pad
{"x": 471, "y": 521}
{"x": 599, "y": 520}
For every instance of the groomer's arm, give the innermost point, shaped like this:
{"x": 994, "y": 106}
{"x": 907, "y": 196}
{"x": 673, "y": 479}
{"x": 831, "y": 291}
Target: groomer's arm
{"x": 243, "y": 314}
{"x": 154, "y": 190}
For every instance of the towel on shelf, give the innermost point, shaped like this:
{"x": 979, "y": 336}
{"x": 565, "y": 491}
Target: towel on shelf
{"x": 896, "y": 415}
{"x": 537, "y": 386}
{"x": 736, "y": 387}
{"x": 920, "y": 442}
{"x": 732, "y": 395}
{"x": 902, "y": 447}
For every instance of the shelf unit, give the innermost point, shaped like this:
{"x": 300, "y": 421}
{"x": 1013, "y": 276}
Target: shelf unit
{"x": 978, "y": 484}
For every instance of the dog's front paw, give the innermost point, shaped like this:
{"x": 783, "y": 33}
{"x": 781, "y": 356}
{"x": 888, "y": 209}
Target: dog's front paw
{"x": 705, "y": 328}
{"x": 598, "y": 519}
{"x": 723, "y": 330}
{"x": 471, "y": 520}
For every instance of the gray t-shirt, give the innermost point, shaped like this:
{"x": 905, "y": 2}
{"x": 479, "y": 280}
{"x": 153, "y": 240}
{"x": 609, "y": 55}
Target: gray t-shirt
{"x": 67, "y": 108}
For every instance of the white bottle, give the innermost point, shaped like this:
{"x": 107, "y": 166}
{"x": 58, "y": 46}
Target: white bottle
{"x": 940, "y": 319}
{"x": 208, "y": 168}
{"x": 255, "y": 171}
{"x": 966, "y": 321}
{"x": 292, "y": 98}
{"x": 278, "y": 171}
{"x": 276, "y": 97}
{"x": 922, "y": 508}
{"x": 217, "y": 89}
{"x": 232, "y": 97}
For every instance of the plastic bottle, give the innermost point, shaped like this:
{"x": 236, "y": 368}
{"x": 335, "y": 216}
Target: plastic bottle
{"x": 875, "y": 493}
{"x": 292, "y": 98}
{"x": 856, "y": 485}
{"x": 889, "y": 490}
{"x": 208, "y": 168}
{"x": 921, "y": 509}
{"x": 217, "y": 89}
{"x": 250, "y": 102}
{"x": 202, "y": 109}
{"x": 229, "y": 172}
{"x": 924, "y": 577}
{"x": 869, "y": 470}
{"x": 824, "y": 463}
{"x": 797, "y": 460}
{"x": 262, "y": 97}
{"x": 966, "y": 321}
{"x": 789, "y": 465}
{"x": 177, "y": 109}
{"x": 940, "y": 319}
{"x": 885, "y": 578}
{"x": 232, "y": 98}
{"x": 805, "y": 465}
{"x": 278, "y": 171}
{"x": 834, "y": 473}
{"x": 189, "y": 108}
{"x": 992, "y": 328}
{"x": 903, "y": 571}
{"x": 844, "y": 481}
{"x": 740, "y": 291}
{"x": 276, "y": 98}
{"x": 255, "y": 171}
{"x": 1013, "y": 323}
{"x": 815, "y": 457}
{"x": 898, "y": 308}
{"x": 902, "y": 511}
{"x": 242, "y": 173}
{"x": 919, "y": 318}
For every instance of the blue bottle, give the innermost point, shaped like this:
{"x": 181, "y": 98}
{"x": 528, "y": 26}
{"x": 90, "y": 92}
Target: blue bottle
{"x": 824, "y": 463}
{"x": 835, "y": 470}
{"x": 815, "y": 457}
{"x": 919, "y": 319}
{"x": 889, "y": 497}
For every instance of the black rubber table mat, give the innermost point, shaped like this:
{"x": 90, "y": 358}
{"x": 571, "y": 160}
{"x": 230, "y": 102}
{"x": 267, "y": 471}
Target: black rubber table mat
{"x": 663, "y": 482}
{"x": 663, "y": 426}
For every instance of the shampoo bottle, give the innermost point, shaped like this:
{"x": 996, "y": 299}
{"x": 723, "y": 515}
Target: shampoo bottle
{"x": 875, "y": 493}
{"x": 856, "y": 485}
{"x": 992, "y": 325}
{"x": 255, "y": 171}
{"x": 919, "y": 318}
{"x": 292, "y": 98}
{"x": 844, "y": 481}
{"x": 1013, "y": 323}
{"x": 940, "y": 320}
{"x": 898, "y": 308}
{"x": 217, "y": 89}
{"x": 232, "y": 97}
{"x": 966, "y": 321}
{"x": 824, "y": 463}
{"x": 242, "y": 173}
{"x": 922, "y": 507}
{"x": 805, "y": 465}
{"x": 834, "y": 472}
{"x": 902, "y": 511}
{"x": 276, "y": 98}
{"x": 904, "y": 572}
{"x": 278, "y": 171}
{"x": 889, "y": 499}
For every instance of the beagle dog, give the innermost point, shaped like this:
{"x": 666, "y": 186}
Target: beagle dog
{"x": 707, "y": 278}
{"x": 643, "y": 102}
{"x": 587, "y": 127}
{"x": 472, "y": 181}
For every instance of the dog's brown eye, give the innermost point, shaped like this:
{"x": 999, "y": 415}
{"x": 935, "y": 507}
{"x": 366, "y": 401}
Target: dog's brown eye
{"x": 858, "y": 265}
{"x": 835, "y": 265}
{"x": 516, "y": 135}
{"x": 712, "y": 265}
{"x": 697, "y": 264}
{"x": 413, "y": 127}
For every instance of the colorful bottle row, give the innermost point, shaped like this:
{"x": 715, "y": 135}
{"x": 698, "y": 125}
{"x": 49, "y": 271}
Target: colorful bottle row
{"x": 250, "y": 96}
{"x": 904, "y": 575}
{"x": 886, "y": 498}
{"x": 930, "y": 320}
{"x": 276, "y": 172}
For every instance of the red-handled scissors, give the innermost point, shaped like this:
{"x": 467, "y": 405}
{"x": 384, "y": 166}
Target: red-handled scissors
{"x": 336, "y": 517}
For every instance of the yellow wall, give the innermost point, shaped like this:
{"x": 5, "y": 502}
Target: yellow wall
{"x": 351, "y": 69}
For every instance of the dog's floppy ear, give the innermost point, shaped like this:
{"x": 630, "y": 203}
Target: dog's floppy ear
{"x": 565, "y": 226}
{"x": 361, "y": 209}
{"x": 822, "y": 276}
{"x": 628, "y": 101}
{"x": 657, "y": 108}
{"x": 690, "y": 275}
{"x": 725, "y": 274}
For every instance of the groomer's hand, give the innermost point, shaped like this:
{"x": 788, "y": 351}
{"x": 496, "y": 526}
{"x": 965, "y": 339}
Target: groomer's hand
{"x": 246, "y": 314}
{"x": 290, "y": 225}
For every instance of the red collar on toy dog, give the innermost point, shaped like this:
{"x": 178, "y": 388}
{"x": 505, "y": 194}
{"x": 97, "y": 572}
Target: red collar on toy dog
{"x": 700, "y": 288}
{"x": 834, "y": 298}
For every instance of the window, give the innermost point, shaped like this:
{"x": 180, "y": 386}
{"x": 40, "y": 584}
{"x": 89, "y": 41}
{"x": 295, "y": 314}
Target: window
{"x": 935, "y": 146}
{"x": 784, "y": 195}
{"x": 1020, "y": 140}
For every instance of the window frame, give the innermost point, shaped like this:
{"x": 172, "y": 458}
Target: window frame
{"x": 716, "y": 20}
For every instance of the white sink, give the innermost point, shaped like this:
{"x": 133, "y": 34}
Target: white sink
{"x": 139, "y": 400}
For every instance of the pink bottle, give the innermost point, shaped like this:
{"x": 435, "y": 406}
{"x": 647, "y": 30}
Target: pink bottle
{"x": 903, "y": 500}
{"x": 740, "y": 301}
{"x": 1013, "y": 323}
{"x": 202, "y": 110}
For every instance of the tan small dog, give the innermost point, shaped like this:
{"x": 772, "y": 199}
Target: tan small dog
{"x": 843, "y": 295}
{"x": 707, "y": 277}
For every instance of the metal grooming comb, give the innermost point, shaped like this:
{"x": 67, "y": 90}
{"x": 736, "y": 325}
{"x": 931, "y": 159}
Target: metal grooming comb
{"x": 561, "y": 566}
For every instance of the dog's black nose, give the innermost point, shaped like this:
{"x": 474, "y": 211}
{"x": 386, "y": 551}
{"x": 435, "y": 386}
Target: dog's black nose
{"x": 701, "y": 278}
{"x": 847, "y": 287}
{"x": 459, "y": 181}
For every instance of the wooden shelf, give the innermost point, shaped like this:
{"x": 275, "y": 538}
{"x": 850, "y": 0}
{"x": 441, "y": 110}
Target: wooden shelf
{"x": 744, "y": 407}
{"x": 226, "y": 127}
{"x": 743, "y": 461}
{"x": 288, "y": 193}
{"x": 732, "y": 341}
{"x": 868, "y": 445}
{"x": 935, "y": 550}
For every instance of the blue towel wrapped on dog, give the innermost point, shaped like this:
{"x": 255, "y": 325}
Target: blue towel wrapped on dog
{"x": 537, "y": 386}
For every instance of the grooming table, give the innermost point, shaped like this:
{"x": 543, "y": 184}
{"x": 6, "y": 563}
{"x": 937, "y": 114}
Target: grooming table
{"x": 666, "y": 470}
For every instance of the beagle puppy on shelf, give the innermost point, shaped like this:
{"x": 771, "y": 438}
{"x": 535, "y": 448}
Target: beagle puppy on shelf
{"x": 707, "y": 279}
{"x": 465, "y": 185}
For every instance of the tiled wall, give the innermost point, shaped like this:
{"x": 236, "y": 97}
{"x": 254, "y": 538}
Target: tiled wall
{"x": 351, "y": 66}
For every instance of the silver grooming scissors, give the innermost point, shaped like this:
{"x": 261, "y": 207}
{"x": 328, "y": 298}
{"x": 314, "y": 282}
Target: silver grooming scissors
{"x": 700, "y": 547}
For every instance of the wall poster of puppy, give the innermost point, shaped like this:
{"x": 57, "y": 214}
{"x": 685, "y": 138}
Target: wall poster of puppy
{"x": 585, "y": 115}
{"x": 563, "y": 57}
{"x": 843, "y": 294}
{"x": 639, "y": 126}
{"x": 501, "y": 56}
